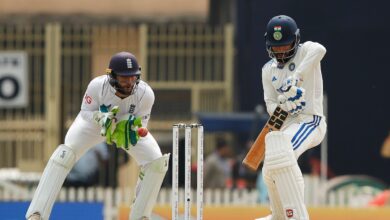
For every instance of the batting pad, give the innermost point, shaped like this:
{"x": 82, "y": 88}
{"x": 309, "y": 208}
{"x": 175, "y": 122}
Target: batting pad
{"x": 276, "y": 204}
{"x": 148, "y": 188}
{"x": 281, "y": 166}
{"x": 58, "y": 167}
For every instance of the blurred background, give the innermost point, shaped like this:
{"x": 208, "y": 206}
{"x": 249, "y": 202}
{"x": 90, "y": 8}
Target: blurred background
{"x": 203, "y": 59}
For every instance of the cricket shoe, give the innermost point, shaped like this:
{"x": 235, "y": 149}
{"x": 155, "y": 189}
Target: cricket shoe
{"x": 269, "y": 217}
{"x": 35, "y": 216}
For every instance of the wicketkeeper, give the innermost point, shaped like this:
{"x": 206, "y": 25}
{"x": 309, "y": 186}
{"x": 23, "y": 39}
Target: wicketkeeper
{"x": 116, "y": 108}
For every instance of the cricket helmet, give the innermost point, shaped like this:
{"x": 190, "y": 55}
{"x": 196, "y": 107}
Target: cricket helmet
{"x": 123, "y": 64}
{"x": 282, "y": 31}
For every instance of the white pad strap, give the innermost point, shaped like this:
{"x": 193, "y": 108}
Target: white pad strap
{"x": 58, "y": 167}
{"x": 281, "y": 166}
{"x": 148, "y": 188}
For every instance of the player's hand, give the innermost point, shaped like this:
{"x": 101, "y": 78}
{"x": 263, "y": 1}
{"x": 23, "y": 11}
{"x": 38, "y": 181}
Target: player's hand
{"x": 101, "y": 118}
{"x": 126, "y": 132}
{"x": 104, "y": 119}
{"x": 135, "y": 123}
{"x": 292, "y": 107}
{"x": 295, "y": 94}
{"x": 290, "y": 82}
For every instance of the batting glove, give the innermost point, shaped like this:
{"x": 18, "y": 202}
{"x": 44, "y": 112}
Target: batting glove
{"x": 290, "y": 82}
{"x": 295, "y": 94}
{"x": 292, "y": 107}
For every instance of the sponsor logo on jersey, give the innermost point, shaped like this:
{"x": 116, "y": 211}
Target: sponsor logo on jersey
{"x": 274, "y": 79}
{"x": 88, "y": 99}
{"x": 132, "y": 108}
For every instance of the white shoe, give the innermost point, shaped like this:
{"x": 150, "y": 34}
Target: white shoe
{"x": 269, "y": 217}
{"x": 35, "y": 216}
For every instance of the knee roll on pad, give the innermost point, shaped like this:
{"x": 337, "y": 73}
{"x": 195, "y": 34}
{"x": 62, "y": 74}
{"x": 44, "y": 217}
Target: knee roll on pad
{"x": 160, "y": 165}
{"x": 277, "y": 141}
{"x": 64, "y": 156}
{"x": 278, "y": 151}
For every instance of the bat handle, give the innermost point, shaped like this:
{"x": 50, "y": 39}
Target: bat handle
{"x": 282, "y": 99}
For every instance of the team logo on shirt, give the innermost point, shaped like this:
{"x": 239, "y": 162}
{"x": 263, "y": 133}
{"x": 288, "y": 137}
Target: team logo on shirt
{"x": 274, "y": 79}
{"x": 291, "y": 67}
{"x": 132, "y": 108}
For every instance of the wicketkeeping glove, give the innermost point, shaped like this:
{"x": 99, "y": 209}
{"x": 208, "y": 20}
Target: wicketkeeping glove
{"x": 125, "y": 132}
{"x": 104, "y": 118}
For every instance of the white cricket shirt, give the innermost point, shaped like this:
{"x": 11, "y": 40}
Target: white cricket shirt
{"x": 306, "y": 65}
{"x": 100, "y": 92}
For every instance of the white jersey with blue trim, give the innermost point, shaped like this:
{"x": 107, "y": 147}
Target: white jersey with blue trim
{"x": 100, "y": 92}
{"x": 305, "y": 65}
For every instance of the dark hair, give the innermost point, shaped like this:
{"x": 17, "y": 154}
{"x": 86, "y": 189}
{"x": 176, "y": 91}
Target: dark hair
{"x": 221, "y": 143}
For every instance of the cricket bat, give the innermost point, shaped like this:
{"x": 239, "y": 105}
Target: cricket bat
{"x": 256, "y": 153}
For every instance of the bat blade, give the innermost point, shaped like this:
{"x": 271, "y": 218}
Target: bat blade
{"x": 257, "y": 151}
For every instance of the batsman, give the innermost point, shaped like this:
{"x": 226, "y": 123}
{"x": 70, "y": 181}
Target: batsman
{"x": 292, "y": 80}
{"x": 116, "y": 108}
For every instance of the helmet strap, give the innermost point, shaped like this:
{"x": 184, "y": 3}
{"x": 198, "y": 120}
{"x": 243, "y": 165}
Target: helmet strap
{"x": 114, "y": 83}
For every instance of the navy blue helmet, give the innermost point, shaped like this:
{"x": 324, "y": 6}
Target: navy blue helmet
{"x": 123, "y": 64}
{"x": 282, "y": 31}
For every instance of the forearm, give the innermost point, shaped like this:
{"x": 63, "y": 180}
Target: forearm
{"x": 270, "y": 95}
